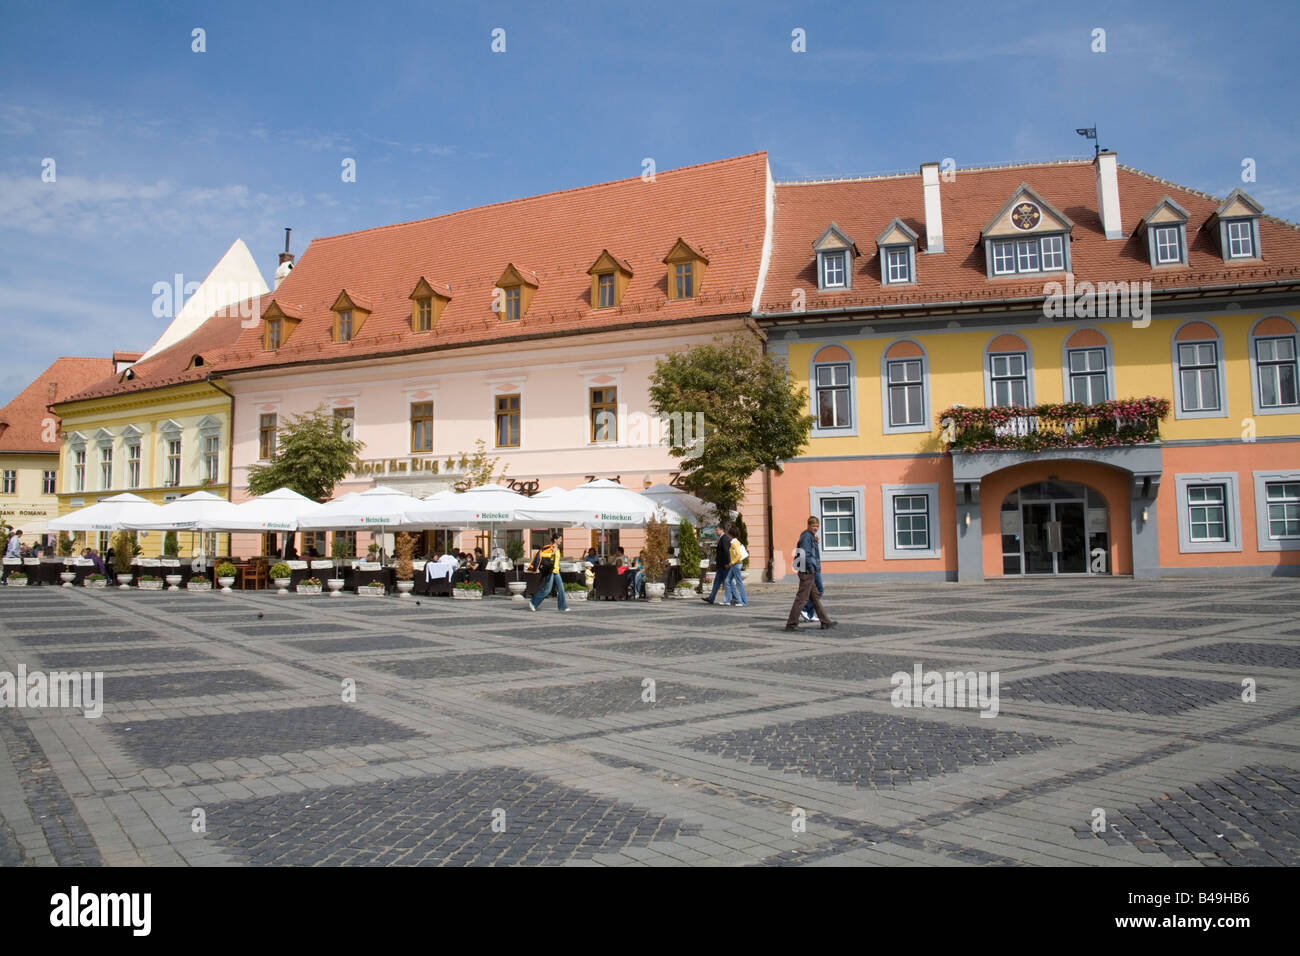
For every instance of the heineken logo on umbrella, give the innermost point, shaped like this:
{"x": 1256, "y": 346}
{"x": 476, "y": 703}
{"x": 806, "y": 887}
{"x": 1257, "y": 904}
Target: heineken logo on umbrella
{"x": 384, "y": 520}
{"x": 493, "y": 516}
{"x": 611, "y": 516}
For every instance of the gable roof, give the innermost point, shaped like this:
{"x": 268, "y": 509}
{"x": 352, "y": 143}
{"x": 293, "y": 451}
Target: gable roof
{"x": 174, "y": 364}
{"x": 958, "y": 274}
{"x": 24, "y": 417}
{"x": 719, "y": 207}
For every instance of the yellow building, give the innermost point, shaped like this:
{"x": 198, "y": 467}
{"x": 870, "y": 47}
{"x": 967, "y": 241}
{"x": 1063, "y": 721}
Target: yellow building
{"x": 160, "y": 430}
{"x": 29, "y": 442}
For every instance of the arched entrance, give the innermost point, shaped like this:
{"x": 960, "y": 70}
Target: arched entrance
{"x": 1055, "y": 527}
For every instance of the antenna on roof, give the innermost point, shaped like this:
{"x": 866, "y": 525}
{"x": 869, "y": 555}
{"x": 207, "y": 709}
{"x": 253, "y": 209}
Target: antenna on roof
{"x": 1090, "y": 132}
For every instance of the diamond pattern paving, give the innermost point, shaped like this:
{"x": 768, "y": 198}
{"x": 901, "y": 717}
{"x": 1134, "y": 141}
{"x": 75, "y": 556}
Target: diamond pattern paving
{"x": 603, "y": 698}
{"x": 1242, "y": 653}
{"x": 187, "y": 684}
{"x": 1031, "y": 642}
{"x": 680, "y": 646}
{"x": 353, "y": 645}
{"x": 93, "y": 659}
{"x": 438, "y": 821}
{"x": 186, "y": 740}
{"x": 1248, "y": 818}
{"x": 849, "y": 665}
{"x": 869, "y": 751}
{"x": 1133, "y": 693}
{"x": 462, "y": 665}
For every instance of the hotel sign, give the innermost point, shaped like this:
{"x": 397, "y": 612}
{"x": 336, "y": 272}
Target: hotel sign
{"x": 411, "y": 465}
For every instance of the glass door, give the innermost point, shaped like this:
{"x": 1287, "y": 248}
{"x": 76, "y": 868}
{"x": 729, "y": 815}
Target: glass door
{"x": 1039, "y": 557}
{"x": 1072, "y": 558}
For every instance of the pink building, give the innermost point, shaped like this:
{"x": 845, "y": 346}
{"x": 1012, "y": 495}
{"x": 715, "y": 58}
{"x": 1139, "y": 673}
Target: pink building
{"x": 532, "y": 326}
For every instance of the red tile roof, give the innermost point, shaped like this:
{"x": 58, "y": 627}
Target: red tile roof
{"x": 24, "y": 417}
{"x": 174, "y": 365}
{"x": 863, "y": 207}
{"x": 718, "y": 207}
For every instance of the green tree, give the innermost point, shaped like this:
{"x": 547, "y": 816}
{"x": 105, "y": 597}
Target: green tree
{"x": 688, "y": 550}
{"x": 753, "y": 416}
{"x": 170, "y": 546}
{"x": 313, "y": 456}
{"x": 482, "y": 469}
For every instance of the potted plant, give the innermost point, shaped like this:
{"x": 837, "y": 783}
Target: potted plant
{"x": 123, "y": 552}
{"x": 309, "y": 586}
{"x": 17, "y": 579}
{"x": 656, "y": 557}
{"x": 65, "y": 544}
{"x": 575, "y": 591}
{"x": 150, "y": 582}
{"x": 170, "y": 549}
{"x": 341, "y": 551}
{"x": 404, "y": 548}
{"x": 688, "y": 554}
{"x": 95, "y": 580}
{"x": 198, "y": 583}
{"x": 281, "y": 574}
{"x": 468, "y": 591}
{"x": 226, "y": 576}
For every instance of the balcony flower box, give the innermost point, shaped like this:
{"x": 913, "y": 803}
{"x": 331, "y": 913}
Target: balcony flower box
{"x": 1112, "y": 424}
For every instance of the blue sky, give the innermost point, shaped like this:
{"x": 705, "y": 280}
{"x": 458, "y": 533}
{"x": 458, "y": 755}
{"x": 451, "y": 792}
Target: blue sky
{"x": 165, "y": 156}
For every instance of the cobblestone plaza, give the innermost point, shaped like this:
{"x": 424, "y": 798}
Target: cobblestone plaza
{"x": 481, "y": 734}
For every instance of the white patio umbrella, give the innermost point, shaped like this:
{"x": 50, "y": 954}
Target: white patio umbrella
{"x": 187, "y": 514}
{"x": 487, "y": 506}
{"x": 600, "y": 504}
{"x": 279, "y": 510}
{"x": 125, "y": 512}
{"x": 377, "y": 508}
{"x": 679, "y": 505}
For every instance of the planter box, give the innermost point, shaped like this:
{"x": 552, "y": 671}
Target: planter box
{"x": 16, "y": 582}
{"x": 95, "y": 584}
{"x": 463, "y": 594}
{"x": 683, "y": 593}
{"x": 151, "y": 585}
{"x": 199, "y": 584}
{"x": 371, "y": 590}
{"x": 309, "y": 589}
{"x": 575, "y": 595}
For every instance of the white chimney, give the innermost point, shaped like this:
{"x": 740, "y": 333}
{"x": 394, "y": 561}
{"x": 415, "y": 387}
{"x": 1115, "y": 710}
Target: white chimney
{"x": 933, "y": 211}
{"x": 286, "y": 261}
{"x": 1107, "y": 164}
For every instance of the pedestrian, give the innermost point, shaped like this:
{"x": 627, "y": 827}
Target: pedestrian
{"x": 546, "y": 562}
{"x": 14, "y": 546}
{"x": 735, "y": 587}
{"x": 722, "y": 563}
{"x": 808, "y": 562}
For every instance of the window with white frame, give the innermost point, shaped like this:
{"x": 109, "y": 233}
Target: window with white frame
{"x": 1207, "y": 512}
{"x": 9, "y": 482}
{"x": 1241, "y": 239}
{"x": 833, "y": 270}
{"x": 1198, "y": 373}
{"x": 48, "y": 483}
{"x": 133, "y": 465}
{"x": 1087, "y": 375}
{"x": 911, "y": 522}
{"x": 833, "y": 396}
{"x": 1282, "y": 499}
{"x": 347, "y": 419}
{"x": 79, "y": 469}
{"x": 1169, "y": 244}
{"x": 211, "y": 457}
{"x": 106, "y": 467}
{"x": 899, "y": 264}
{"x": 906, "y": 400}
{"x": 1275, "y": 363}
{"x": 1040, "y": 254}
{"x": 173, "y": 462}
{"x": 1008, "y": 373}
{"x": 838, "y": 525}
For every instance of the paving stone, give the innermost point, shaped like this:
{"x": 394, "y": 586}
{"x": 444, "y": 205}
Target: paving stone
{"x": 1132, "y": 693}
{"x": 603, "y": 698}
{"x": 1155, "y": 625}
{"x": 849, "y": 665}
{"x": 1022, "y": 641}
{"x": 680, "y": 646}
{"x": 305, "y": 629}
{"x": 1241, "y": 653}
{"x": 353, "y": 645}
{"x": 100, "y": 658}
{"x": 185, "y": 740}
{"x": 84, "y": 634}
{"x": 187, "y": 684}
{"x": 458, "y": 665}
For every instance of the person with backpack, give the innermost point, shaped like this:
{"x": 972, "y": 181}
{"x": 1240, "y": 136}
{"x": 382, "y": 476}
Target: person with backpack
{"x": 546, "y": 562}
{"x": 735, "y": 587}
{"x": 722, "y": 562}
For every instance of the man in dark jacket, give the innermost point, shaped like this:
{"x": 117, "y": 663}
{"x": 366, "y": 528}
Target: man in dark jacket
{"x": 808, "y": 562}
{"x": 723, "y": 561}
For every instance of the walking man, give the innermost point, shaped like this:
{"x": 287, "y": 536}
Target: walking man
{"x": 808, "y": 562}
{"x": 735, "y": 587}
{"x": 14, "y": 546}
{"x": 547, "y": 563}
{"x": 722, "y": 562}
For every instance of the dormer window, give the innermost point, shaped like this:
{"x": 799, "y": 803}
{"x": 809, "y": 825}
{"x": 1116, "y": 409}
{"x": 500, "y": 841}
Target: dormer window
{"x": 278, "y": 323}
{"x": 427, "y": 303}
{"x": 515, "y": 290}
{"x": 1237, "y": 223}
{"x": 1027, "y": 235}
{"x": 609, "y": 279}
{"x": 897, "y": 248}
{"x": 686, "y": 266}
{"x": 1166, "y": 229}
{"x": 835, "y": 253}
{"x": 350, "y": 313}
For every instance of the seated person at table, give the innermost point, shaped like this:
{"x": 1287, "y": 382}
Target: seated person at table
{"x": 480, "y": 560}
{"x": 621, "y": 559}
{"x": 311, "y": 552}
{"x": 95, "y": 559}
{"x": 291, "y": 553}
{"x": 637, "y": 575}
{"x": 462, "y": 573}
{"x": 592, "y": 558}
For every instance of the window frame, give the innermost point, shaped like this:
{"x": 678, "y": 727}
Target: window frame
{"x": 994, "y": 378}
{"x": 424, "y": 314}
{"x": 846, "y": 388}
{"x": 858, "y": 494}
{"x": 424, "y": 420}
{"x": 1041, "y": 254}
{"x": 274, "y": 333}
{"x": 348, "y": 415}
{"x": 887, "y": 253}
{"x": 1230, "y": 239}
{"x": 1256, "y": 371}
{"x": 1231, "y": 510}
{"x": 134, "y": 459}
{"x": 1180, "y": 408}
{"x": 340, "y": 323}
{"x": 841, "y": 256}
{"x": 210, "y": 453}
{"x": 684, "y": 279}
{"x": 79, "y": 469}
{"x": 889, "y": 514}
{"x": 9, "y": 481}
{"x": 106, "y": 467}
{"x": 172, "y": 460}
{"x": 50, "y": 481}
{"x": 512, "y": 303}
{"x": 1180, "y": 244}
{"x": 507, "y": 413}
{"x": 608, "y": 406}
{"x": 1264, "y": 540}
{"x": 887, "y": 426}
{"x": 606, "y": 282}
{"x": 267, "y": 428}
{"x": 1088, "y": 375}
